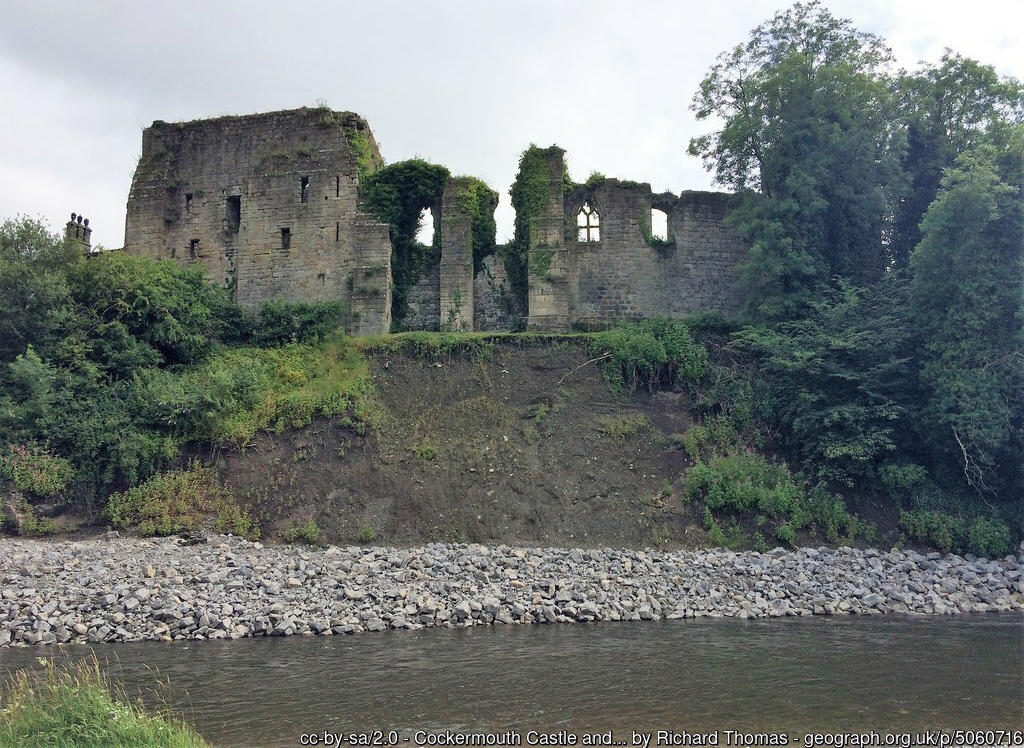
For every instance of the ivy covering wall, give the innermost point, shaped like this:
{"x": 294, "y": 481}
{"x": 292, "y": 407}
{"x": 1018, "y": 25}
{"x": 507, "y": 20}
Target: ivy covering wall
{"x": 398, "y": 194}
{"x": 529, "y": 194}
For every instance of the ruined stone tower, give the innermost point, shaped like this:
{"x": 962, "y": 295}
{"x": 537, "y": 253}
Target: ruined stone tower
{"x": 268, "y": 204}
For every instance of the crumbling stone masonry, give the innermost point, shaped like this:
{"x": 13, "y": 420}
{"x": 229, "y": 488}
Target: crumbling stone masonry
{"x": 456, "y": 297}
{"x": 593, "y": 259}
{"x": 268, "y": 203}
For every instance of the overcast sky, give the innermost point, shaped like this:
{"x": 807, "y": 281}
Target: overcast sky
{"x": 465, "y": 84}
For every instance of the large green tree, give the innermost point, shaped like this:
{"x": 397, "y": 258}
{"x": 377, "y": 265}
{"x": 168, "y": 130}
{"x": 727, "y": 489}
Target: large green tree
{"x": 967, "y": 305}
{"x": 945, "y": 109}
{"x": 808, "y": 137}
{"x": 33, "y": 286}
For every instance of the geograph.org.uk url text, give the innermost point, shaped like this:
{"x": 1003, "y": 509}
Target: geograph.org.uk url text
{"x": 646, "y": 739}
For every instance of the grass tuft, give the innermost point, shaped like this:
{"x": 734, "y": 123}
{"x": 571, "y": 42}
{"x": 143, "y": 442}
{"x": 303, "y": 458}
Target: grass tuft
{"x": 75, "y": 705}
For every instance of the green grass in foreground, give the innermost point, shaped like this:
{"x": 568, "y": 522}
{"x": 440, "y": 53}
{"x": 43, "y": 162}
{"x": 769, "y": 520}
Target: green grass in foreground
{"x": 73, "y": 706}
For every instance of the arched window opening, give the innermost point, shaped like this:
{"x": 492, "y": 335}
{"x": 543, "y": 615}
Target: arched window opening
{"x": 425, "y": 231}
{"x": 588, "y": 224}
{"x": 659, "y": 225}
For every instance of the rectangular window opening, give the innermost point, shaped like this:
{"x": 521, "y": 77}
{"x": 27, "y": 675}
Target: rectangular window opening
{"x": 233, "y": 213}
{"x": 304, "y": 189}
{"x": 188, "y": 203}
{"x": 286, "y": 238}
{"x": 193, "y": 249}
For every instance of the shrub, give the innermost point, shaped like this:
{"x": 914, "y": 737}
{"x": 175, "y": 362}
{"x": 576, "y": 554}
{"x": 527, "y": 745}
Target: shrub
{"x": 786, "y": 533}
{"x": 32, "y": 525}
{"x": 932, "y": 528}
{"x": 307, "y": 532}
{"x": 747, "y": 483}
{"x": 828, "y": 514}
{"x": 75, "y": 705}
{"x": 624, "y": 426}
{"x": 281, "y": 322}
{"x": 715, "y": 438}
{"x": 650, "y": 354}
{"x": 35, "y": 471}
{"x": 367, "y": 534}
{"x": 983, "y": 535}
{"x": 424, "y": 450}
{"x": 744, "y": 482}
{"x": 239, "y": 392}
{"x": 180, "y": 501}
{"x": 988, "y": 536}
{"x": 759, "y": 543}
{"x": 901, "y": 479}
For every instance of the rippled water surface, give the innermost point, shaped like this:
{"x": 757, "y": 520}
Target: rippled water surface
{"x": 887, "y": 674}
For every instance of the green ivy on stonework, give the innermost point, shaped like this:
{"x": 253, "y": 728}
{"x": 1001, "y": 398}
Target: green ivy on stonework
{"x": 529, "y": 198}
{"x": 475, "y": 199}
{"x": 661, "y": 246}
{"x": 540, "y": 261}
{"x": 396, "y": 195}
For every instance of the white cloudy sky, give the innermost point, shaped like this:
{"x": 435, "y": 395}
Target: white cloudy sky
{"x": 468, "y": 84}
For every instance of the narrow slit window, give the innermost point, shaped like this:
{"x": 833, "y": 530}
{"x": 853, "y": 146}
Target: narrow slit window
{"x": 588, "y": 224}
{"x": 233, "y": 213}
{"x": 304, "y": 189}
{"x": 193, "y": 249}
{"x": 659, "y": 225}
{"x": 286, "y": 238}
{"x": 337, "y": 231}
{"x": 337, "y": 186}
{"x": 188, "y": 203}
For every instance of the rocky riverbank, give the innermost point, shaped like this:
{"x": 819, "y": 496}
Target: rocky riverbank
{"x": 116, "y": 590}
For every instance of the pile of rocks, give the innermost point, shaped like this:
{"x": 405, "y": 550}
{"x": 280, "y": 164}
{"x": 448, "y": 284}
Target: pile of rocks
{"x": 123, "y": 590}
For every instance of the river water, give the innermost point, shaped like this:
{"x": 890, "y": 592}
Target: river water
{"x": 889, "y": 674}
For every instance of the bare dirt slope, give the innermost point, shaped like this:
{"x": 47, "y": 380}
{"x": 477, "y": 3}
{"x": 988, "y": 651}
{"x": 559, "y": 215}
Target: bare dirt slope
{"x": 520, "y": 444}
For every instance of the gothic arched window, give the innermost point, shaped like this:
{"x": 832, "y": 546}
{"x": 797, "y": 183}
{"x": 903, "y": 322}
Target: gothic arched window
{"x": 588, "y": 224}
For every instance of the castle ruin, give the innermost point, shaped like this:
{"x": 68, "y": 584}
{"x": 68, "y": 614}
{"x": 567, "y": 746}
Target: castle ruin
{"x": 270, "y": 205}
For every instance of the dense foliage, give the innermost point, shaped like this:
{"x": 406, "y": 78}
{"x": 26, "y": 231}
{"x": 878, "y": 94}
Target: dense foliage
{"x": 808, "y": 140}
{"x": 881, "y": 359}
{"x": 179, "y": 501}
{"x": 885, "y": 212}
{"x": 110, "y": 364}
{"x": 478, "y": 201}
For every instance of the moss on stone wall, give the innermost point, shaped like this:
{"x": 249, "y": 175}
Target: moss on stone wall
{"x": 530, "y": 193}
{"x": 396, "y": 195}
{"x": 362, "y": 150}
{"x": 475, "y": 199}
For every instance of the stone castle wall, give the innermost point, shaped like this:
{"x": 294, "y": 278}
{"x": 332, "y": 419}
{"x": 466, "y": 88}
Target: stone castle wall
{"x": 624, "y": 273}
{"x": 623, "y": 276}
{"x": 267, "y": 203}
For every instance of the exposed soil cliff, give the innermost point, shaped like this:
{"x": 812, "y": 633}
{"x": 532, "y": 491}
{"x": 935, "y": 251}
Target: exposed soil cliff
{"x": 523, "y": 442}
